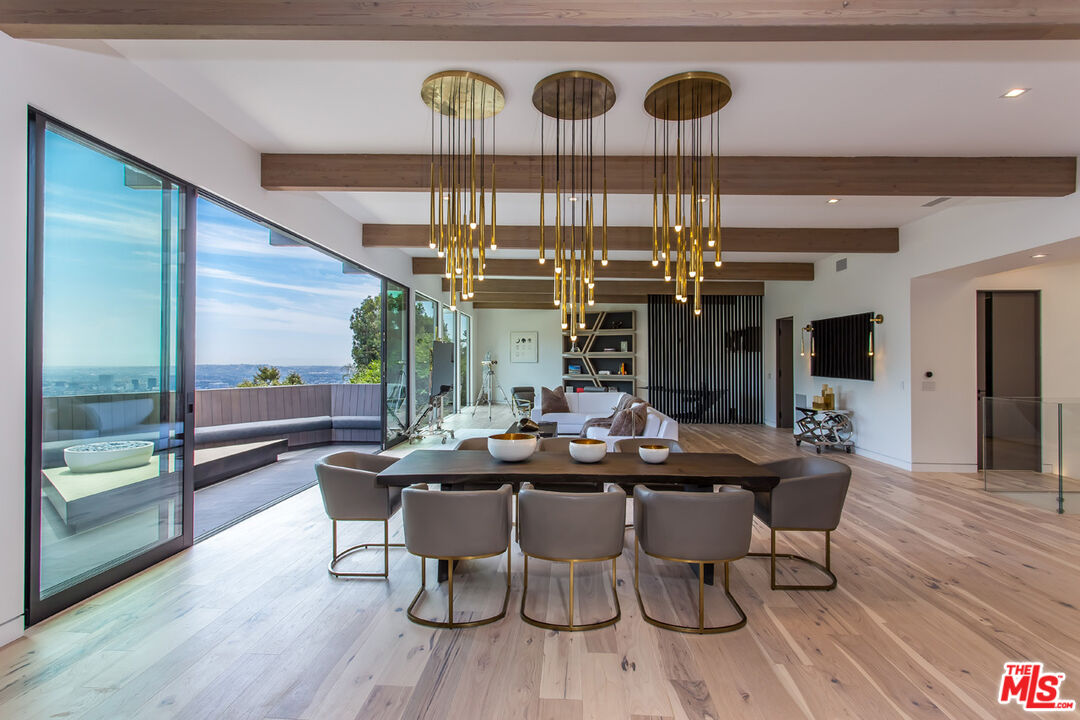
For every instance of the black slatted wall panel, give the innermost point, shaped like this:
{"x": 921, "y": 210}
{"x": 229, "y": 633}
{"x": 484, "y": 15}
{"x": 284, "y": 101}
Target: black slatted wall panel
{"x": 842, "y": 348}
{"x": 707, "y": 368}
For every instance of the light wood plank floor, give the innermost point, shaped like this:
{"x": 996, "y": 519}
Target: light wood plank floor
{"x": 940, "y": 584}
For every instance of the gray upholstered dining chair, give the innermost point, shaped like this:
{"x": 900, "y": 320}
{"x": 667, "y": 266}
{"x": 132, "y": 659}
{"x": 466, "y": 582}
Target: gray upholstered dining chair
{"x": 452, "y": 526}
{"x": 475, "y": 443}
{"x": 632, "y": 444}
{"x": 350, "y": 493}
{"x": 571, "y": 528}
{"x": 695, "y": 528}
{"x": 809, "y": 498}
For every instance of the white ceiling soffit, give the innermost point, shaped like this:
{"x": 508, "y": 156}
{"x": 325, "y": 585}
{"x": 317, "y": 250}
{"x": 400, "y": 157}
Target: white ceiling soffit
{"x": 857, "y": 98}
{"x": 636, "y": 210}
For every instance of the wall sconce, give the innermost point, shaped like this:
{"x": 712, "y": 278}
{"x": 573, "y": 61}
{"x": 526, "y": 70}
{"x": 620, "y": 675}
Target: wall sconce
{"x": 808, "y": 328}
{"x": 874, "y": 320}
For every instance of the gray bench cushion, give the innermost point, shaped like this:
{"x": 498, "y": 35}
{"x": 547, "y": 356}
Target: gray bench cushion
{"x": 356, "y": 422}
{"x": 262, "y": 428}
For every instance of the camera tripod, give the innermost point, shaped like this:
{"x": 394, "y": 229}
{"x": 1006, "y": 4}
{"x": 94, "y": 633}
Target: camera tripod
{"x": 489, "y": 386}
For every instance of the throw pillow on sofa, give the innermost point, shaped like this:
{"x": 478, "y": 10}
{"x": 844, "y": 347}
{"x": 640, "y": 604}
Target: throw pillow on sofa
{"x": 553, "y": 401}
{"x": 629, "y": 422}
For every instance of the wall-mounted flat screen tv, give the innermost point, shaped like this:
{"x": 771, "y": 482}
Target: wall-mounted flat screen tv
{"x": 841, "y": 347}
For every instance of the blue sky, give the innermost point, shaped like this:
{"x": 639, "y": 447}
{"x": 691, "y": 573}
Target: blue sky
{"x": 262, "y": 304}
{"x": 102, "y": 280}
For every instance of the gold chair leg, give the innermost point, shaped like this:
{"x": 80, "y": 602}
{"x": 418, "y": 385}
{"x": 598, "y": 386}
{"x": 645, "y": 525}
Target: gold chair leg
{"x": 700, "y": 628}
{"x": 338, "y": 557}
{"x": 826, "y": 568}
{"x": 570, "y": 626}
{"x": 450, "y": 623}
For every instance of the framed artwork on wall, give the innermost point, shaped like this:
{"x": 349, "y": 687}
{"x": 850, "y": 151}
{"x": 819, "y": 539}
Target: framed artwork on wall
{"x": 523, "y": 346}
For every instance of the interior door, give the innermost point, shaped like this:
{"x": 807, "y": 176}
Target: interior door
{"x": 1009, "y": 369}
{"x": 785, "y": 373}
{"x": 110, "y": 469}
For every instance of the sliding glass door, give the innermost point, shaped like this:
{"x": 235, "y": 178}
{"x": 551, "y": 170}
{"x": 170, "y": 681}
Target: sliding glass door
{"x": 425, "y": 310}
{"x": 464, "y": 356}
{"x": 448, "y": 333}
{"x": 110, "y": 466}
{"x": 396, "y": 354}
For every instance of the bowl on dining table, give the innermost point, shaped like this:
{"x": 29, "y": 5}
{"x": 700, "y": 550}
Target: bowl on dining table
{"x": 588, "y": 450}
{"x": 654, "y": 454}
{"x": 512, "y": 447}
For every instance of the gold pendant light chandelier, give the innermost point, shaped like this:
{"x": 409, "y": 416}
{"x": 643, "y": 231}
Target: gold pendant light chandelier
{"x": 463, "y": 105}
{"x": 686, "y": 200}
{"x": 575, "y": 100}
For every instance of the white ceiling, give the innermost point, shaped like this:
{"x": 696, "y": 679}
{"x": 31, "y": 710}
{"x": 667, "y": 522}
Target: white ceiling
{"x": 789, "y": 99}
{"x": 797, "y": 98}
{"x": 630, "y": 210}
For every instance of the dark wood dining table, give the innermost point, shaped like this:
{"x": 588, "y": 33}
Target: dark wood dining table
{"x": 477, "y": 467}
{"x": 456, "y": 469}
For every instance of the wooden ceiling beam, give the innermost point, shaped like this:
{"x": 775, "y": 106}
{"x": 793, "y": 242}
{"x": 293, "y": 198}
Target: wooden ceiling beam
{"x": 738, "y": 175}
{"x": 519, "y": 305}
{"x": 628, "y": 269}
{"x": 734, "y": 239}
{"x": 605, "y": 288}
{"x": 540, "y": 20}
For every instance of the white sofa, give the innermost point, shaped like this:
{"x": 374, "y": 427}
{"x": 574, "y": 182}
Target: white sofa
{"x": 583, "y": 406}
{"x": 657, "y": 425}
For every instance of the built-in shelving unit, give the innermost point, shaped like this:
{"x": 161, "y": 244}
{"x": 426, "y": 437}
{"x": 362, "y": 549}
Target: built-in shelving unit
{"x": 605, "y": 355}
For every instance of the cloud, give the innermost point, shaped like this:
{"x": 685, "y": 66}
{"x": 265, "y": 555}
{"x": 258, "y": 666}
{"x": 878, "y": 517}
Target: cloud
{"x": 350, "y": 292}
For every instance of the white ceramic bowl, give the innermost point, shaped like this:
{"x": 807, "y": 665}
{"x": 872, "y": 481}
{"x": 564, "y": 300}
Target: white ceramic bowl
{"x": 512, "y": 447}
{"x": 654, "y": 454}
{"x": 588, "y": 450}
{"x": 108, "y": 455}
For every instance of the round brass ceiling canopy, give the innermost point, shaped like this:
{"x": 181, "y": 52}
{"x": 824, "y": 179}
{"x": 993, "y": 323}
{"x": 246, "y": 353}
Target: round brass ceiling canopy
{"x": 574, "y": 95}
{"x": 688, "y": 96}
{"x": 463, "y": 94}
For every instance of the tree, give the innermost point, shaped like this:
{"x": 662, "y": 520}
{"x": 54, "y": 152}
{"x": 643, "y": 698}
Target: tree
{"x": 264, "y": 376}
{"x": 366, "y": 326}
{"x": 269, "y": 376}
{"x": 366, "y": 323}
{"x": 424, "y": 322}
{"x": 371, "y": 373}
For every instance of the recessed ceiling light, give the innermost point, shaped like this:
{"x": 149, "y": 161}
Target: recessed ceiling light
{"x": 833, "y": 201}
{"x": 1039, "y": 255}
{"x": 1015, "y": 93}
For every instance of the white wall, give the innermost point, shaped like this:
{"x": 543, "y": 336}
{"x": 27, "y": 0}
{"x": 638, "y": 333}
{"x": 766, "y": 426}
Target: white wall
{"x": 880, "y": 407}
{"x": 494, "y": 335}
{"x": 944, "y": 417}
{"x": 910, "y": 341}
{"x": 88, "y": 86}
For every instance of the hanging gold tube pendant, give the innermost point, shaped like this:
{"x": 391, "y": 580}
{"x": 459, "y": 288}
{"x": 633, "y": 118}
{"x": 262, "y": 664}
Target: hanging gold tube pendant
{"x": 431, "y": 237}
{"x": 472, "y": 192}
{"x": 494, "y": 245}
{"x": 603, "y": 239}
{"x": 558, "y": 227}
{"x": 678, "y": 184}
{"x": 655, "y": 246}
{"x": 542, "y": 218}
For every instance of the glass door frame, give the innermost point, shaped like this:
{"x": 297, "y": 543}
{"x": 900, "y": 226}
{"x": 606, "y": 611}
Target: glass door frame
{"x": 466, "y": 371}
{"x": 407, "y": 309}
{"x": 35, "y": 607}
{"x": 418, "y": 297}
